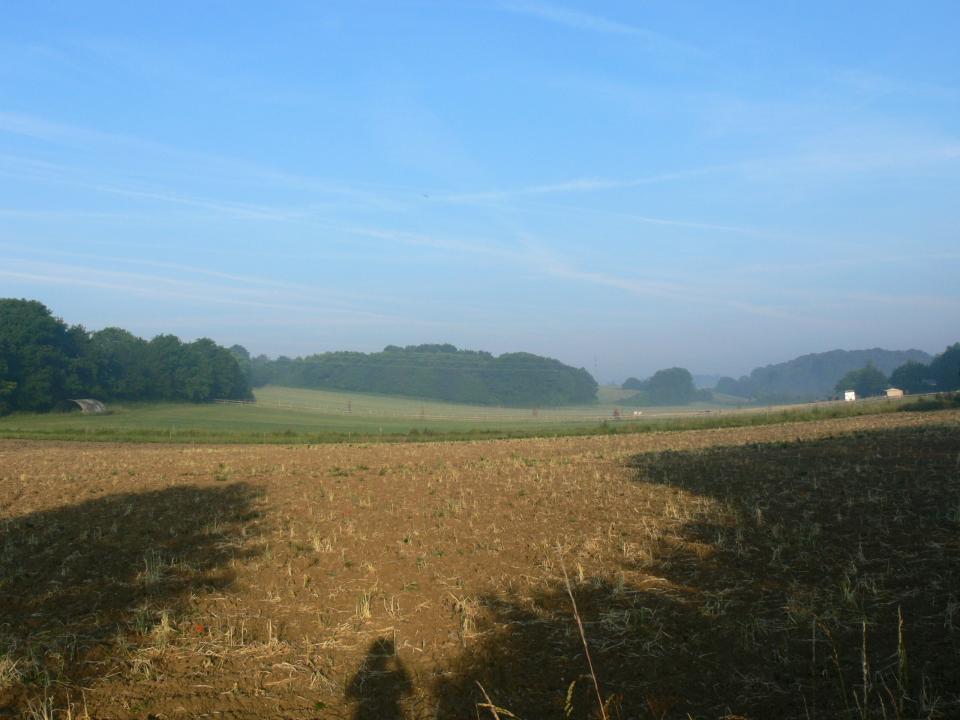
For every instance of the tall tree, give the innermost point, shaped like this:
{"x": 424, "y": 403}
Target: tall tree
{"x": 121, "y": 361}
{"x": 37, "y": 352}
{"x": 913, "y": 377}
{"x": 164, "y": 358}
{"x": 945, "y": 368}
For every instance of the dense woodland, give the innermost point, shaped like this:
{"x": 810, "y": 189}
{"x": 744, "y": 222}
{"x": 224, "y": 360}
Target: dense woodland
{"x": 815, "y": 376}
{"x": 44, "y": 362}
{"x": 811, "y": 377}
{"x": 439, "y": 372}
{"x": 941, "y": 374}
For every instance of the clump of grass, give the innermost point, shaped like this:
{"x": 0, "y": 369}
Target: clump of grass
{"x": 10, "y": 671}
{"x": 362, "y": 612}
{"x": 153, "y": 568}
{"x": 942, "y": 401}
{"x": 466, "y": 611}
{"x": 42, "y": 709}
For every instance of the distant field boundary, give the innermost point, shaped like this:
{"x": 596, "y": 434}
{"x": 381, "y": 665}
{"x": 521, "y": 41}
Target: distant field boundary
{"x": 537, "y": 415}
{"x": 518, "y": 414}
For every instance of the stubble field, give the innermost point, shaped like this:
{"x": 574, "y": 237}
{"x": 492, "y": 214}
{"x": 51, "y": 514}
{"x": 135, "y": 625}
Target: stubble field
{"x": 807, "y": 570}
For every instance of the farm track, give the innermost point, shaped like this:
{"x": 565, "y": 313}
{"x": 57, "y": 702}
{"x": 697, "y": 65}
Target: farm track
{"x": 718, "y": 572}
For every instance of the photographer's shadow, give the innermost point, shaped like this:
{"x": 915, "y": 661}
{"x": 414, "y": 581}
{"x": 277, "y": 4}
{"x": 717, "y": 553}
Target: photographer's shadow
{"x": 380, "y": 683}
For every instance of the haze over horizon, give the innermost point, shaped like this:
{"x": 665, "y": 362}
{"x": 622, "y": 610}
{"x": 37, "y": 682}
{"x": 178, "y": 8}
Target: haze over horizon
{"x": 621, "y": 186}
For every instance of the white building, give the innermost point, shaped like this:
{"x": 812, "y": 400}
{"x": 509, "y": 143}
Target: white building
{"x": 849, "y": 395}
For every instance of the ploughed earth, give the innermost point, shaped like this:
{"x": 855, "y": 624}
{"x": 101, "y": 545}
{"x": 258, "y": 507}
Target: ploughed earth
{"x": 792, "y": 571}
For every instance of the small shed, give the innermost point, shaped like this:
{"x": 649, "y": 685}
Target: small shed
{"x": 894, "y": 393}
{"x": 89, "y": 406}
{"x": 849, "y": 395}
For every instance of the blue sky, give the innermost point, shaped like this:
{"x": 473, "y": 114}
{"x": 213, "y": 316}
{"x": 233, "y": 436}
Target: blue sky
{"x": 625, "y": 186}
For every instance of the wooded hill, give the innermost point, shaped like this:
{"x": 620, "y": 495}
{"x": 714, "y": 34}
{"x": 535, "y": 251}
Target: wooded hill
{"x": 813, "y": 376}
{"x": 438, "y": 372}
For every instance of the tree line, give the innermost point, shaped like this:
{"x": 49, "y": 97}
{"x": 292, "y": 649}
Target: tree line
{"x": 438, "y": 372}
{"x": 941, "y": 374}
{"x": 44, "y": 362}
{"x": 807, "y": 378}
{"x": 813, "y": 376}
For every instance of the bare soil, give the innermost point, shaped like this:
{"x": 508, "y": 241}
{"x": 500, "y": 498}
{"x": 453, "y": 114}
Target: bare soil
{"x": 797, "y": 571}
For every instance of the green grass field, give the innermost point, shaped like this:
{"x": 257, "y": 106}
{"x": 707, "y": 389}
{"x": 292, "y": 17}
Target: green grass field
{"x": 290, "y": 415}
{"x": 359, "y": 405}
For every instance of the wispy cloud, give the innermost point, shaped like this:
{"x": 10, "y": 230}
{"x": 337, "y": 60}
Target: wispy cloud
{"x": 856, "y": 153}
{"x": 686, "y": 294}
{"x": 531, "y": 195}
{"x": 579, "y": 20}
{"x": 665, "y": 222}
{"x": 310, "y": 215}
{"x": 243, "y": 211}
{"x": 874, "y": 85}
{"x": 163, "y": 158}
{"x": 863, "y": 259}
{"x": 99, "y": 180}
{"x": 574, "y": 18}
{"x": 531, "y": 255}
{"x": 264, "y": 287}
{"x": 738, "y": 297}
{"x": 21, "y": 213}
{"x": 681, "y": 292}
{"x": 160, "y": 287}
{"x": 437, "y": 242}
{"x": 574, "y": 185}
{"x": 49, "y": 131}
{"x": 911, "y": 300}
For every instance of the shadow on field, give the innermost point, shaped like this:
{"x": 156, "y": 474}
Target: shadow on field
{"x": 380, "y": 684}
{"x": 776, "y": 591}
{"x": 82, "y": 584}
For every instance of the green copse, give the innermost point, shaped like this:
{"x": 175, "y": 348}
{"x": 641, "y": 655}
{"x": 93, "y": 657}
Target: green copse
{"x": 671, "y": 386}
